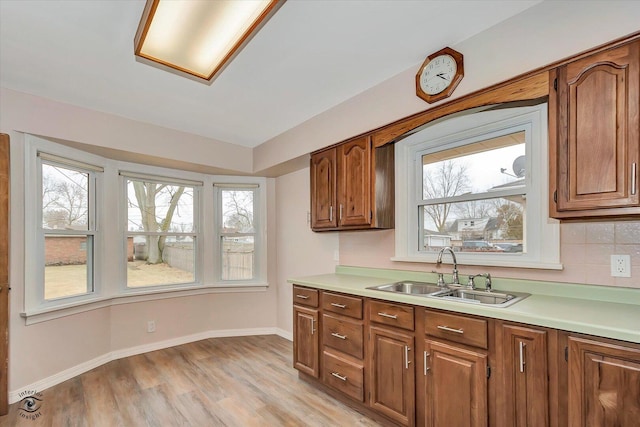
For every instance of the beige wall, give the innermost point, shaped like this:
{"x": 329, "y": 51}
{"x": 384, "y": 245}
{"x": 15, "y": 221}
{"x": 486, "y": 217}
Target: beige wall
{"x": 49, "y": 350}
{"x": 301, "y": 252}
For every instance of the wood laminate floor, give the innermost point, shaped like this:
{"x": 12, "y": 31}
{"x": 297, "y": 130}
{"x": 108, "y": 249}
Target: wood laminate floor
{"x": 239, "y": 381}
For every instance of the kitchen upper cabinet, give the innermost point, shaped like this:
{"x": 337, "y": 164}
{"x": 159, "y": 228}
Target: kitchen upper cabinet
{"x": 594, "y": 135}
{"x": 604, "y": 384}
{"x": 352, "y": 186}
{"x": 522, "y": 364}
{"x": 323, "y": 190}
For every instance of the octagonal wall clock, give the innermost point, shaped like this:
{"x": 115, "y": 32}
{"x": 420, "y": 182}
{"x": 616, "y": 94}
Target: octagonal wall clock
{"x": 439, "y": 75}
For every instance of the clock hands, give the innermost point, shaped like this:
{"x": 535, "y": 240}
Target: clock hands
{"x": 441, "y": 75}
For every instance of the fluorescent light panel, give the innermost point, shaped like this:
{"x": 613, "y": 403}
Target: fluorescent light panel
{"x": 199, "y": 37}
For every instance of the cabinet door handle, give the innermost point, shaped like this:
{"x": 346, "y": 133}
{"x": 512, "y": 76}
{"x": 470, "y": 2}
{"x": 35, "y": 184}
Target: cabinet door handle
{"x": 448, "y": 329}
{"x": 390, "y": 316}
{"x": 337, "y": 335}
{"x": 340, "y": 211}
{"x": 633, "y": 178}
{"x": 302, "y": 296}
{"x": 426, "y": 361}
{"x": 313, "y": 326}
{"x": 335, "y": 304}
{"x": 522, "y": 355}
{"x": 330, "y": 213}
{"x": 406, "y": 356}
{"x": 338, "y": 376}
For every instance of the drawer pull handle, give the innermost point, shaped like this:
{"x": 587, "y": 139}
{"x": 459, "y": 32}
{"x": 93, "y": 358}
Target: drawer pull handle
{"x": 335, "y": 304}
{"x": 338, "y": 376}
{"x": 448, "y": 329}
{"x": 390, "y": 316}
{"x": 302, "y": 296}
{"x": 342, "y": 337}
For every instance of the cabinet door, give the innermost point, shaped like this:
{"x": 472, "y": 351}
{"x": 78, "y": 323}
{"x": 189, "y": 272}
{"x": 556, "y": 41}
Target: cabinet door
{"x": 323, "y": 190}
{"x": 604, "y": 384}
{"x": 392, "y": 380}
{"x": 523, "y": 364}
{"x": 597, "y": 131}
{"x": 305, "y": 340}
{"x": 455, "y": 386}
{"x": 354, "y": 180}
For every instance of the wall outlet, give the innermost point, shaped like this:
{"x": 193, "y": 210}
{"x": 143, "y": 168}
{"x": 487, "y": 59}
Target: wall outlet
{"x": 620, "y": 266}
{"x": 151, "y": 326}
{"x": 336, "y": 255}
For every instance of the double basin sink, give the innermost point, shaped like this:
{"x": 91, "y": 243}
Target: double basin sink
{"x": 453, "y": 293}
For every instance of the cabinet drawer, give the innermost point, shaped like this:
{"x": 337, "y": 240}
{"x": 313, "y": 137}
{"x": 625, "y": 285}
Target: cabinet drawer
{"x": 343, "y": 375}
{"x": 343, "y": 335}
{"x": 305, "y": 296}
{"x": 397, "y": 315}
{"x": 457, "y": 328}
{"x": 342, "y": 304}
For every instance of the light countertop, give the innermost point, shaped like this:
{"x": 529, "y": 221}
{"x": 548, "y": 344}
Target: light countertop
{"x": 595, "y": 310}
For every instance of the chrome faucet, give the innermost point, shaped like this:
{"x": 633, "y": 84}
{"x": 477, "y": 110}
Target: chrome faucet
{"x": 456, "y": 280}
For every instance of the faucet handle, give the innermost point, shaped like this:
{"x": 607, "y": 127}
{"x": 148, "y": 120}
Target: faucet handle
{"x": 441, "y": 283}
{"x": 470, "y": 283}
{"x": 487, "y": 282}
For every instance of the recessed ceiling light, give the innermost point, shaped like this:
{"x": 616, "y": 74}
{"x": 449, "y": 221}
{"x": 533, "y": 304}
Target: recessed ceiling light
{"x": 198, "y": 38}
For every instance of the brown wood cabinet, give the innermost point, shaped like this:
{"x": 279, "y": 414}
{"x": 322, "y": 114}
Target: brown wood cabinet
{"x": 352, "y": 186}
{"x": 453, "y": 388}
{"x": 456, "y": 385}
{"x": 305, "y": 340}
{"x": 594, "y": 135}
{"x": 306, "y": 335}
{"x": 604, "y": 383}
{"x": 392, "y": 374}
{"x": 523, "y": 396}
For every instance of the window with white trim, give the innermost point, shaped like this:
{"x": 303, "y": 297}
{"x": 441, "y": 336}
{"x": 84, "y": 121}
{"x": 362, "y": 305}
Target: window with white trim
{"x": 162, "y": 230}
{"x": 237, "y": 231}
{"x": 135, "y": 230}
{"x": 67, "y": 233}
{"x": 477, "y": 183}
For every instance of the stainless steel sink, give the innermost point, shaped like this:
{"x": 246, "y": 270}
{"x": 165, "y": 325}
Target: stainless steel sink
{"x": 409, "y": 287}
{"x": 477, "y": 296}
{"x": 474, "y": 296}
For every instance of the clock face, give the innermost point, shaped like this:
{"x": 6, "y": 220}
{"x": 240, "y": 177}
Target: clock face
{"x": 438, "y": 74}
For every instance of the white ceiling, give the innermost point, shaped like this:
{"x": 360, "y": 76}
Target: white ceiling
{"x": 311, "y": 56}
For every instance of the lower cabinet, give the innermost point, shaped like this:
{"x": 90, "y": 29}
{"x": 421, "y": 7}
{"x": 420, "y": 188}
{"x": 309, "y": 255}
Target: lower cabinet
{"x": 407, "y": 365}
{"x": 455, "y": 386}
{"x": 305, "y": 340}
{"x": 521, "y": 354}
{"x": 392, "y": 375}
{"x": 604, "y": 383}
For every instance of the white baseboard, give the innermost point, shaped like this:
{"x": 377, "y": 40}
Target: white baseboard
{"x": 38, "y": 386}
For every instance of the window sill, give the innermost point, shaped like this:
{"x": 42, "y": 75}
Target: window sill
{"x": 514, "y": 263}
{"x": 62, "y": 310}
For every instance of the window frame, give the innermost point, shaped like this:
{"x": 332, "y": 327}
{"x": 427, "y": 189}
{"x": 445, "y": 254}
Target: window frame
{"x": 260, "y": 210}
{"x": 196, "y": 233}
{"x": 467, "y": 128}
{"x": 110, "y": 248}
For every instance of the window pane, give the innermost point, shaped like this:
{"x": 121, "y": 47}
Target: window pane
{"x": 493, "y": 164}
{"x": 149, "y": 265}
{"x": 237, "y": 211}
{"x": 65, "y": 198}
{"x": 491, "y": 225}
{"x": 158, "y": 207}
{"x": 237, "y": 258}
{"x": 66, "y": 272}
